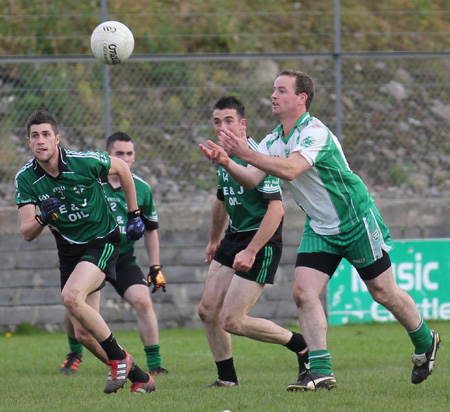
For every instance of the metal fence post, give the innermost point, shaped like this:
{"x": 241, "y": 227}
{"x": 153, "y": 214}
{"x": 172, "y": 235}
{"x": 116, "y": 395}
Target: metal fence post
{"x": 337, "y": 67}
{"x": 107, "y": 109}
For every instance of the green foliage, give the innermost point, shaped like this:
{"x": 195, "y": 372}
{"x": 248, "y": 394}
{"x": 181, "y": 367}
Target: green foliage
{"x": 41, "y": 28}
{"x": 399, "y": 173}
{"x": 371, "y": 363}
{"x": 25, "y": 328}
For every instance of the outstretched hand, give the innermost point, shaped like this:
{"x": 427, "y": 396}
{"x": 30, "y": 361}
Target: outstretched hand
{"x": 215, "y": 153}
{"x": 236, "y": 145}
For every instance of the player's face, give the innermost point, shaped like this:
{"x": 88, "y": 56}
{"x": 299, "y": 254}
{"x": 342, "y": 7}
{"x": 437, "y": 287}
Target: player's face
{"x": 227, "y": 119}
{"x": 124, "y": 151}
{"x": 284, "y": 100}
{"x": 43, "y": 142}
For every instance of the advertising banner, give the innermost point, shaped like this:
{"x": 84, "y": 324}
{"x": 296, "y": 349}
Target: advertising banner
{"x": 421, "y": 267}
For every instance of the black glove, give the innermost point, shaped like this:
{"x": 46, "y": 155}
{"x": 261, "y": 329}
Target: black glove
{"x": 135, "y": 226}
{"x": 156, "y": 277}
{"x": 48, "y": 210}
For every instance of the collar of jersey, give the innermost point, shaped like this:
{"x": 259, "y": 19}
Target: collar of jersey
{"x": 301, "y": 121}
{"x": 62, "y": 164}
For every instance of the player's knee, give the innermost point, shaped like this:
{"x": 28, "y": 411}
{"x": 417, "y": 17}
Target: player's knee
{"x": 230, "y": 324}
{"x": 299, "y": 296}
{"x": 381, "y": 296}
{"x": 208, "y": 311}
{"x": 201, "y": 310}
{"x": 70, "y": 299}
{"x": 141, "y": 303}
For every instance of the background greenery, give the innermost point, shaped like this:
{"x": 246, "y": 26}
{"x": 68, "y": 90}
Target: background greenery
{"x": 395, "y": 109}
{"x": 41, "y": 27}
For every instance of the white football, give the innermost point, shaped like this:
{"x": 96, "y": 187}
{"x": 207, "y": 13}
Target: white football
{"x": 112, "y": 42}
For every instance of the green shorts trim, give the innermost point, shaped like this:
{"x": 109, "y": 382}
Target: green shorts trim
{"x": 361, "y": 246}
{"x": 103, "y": 253}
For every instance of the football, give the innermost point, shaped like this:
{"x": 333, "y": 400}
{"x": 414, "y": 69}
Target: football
{"x": 112, "y": 42}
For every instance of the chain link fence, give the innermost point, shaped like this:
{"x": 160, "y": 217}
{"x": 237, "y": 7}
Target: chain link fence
{"x": 393, "y": 112}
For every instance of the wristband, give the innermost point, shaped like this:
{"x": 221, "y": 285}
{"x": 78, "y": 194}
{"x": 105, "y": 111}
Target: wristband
{"x": 134, "y": 214}
{"x": 39, "y": 220}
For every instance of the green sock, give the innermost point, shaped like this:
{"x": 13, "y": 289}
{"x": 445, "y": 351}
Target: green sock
{"x": 421, "y": 338}
{"x": 320, "y": 361}
{"x": 74, "y": 345}
{"x": 153, "y": 356}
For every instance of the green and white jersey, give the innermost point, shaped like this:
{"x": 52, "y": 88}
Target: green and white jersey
{"x": 84, "y": 214}
{"x": 117, "y": 201}
{"x": 246, "y": 207}
{"x": 332, "y": 196}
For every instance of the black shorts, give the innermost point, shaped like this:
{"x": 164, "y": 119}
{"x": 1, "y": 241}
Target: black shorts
{"x": 101, "y": 252}
{"x": 266, "y": 260}
{"x": 328, "y": 263}
{"x": 128, "y": 273}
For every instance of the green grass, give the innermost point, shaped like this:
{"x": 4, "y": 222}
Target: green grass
{"x": 371, "y": 363}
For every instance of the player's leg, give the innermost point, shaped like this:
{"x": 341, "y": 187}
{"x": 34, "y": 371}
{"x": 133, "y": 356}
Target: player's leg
{"x": 73, "y": 358}
{"x": 240, "y": 299}
{"x": 85, "y": 279}
{"x": 131, "y": 284}
{"x": 242, "y": 295}
{"x": 312, "y": 274}
{"x": 371, "y": 247}
{"x": 85, "y": 338}
{"x": 308, "y": 285}
{"x": 216, "y": 286}
{"x": 68, "y": 260}
{"x": 367, "y": 251}
{"x": 138, "y": 296}
{"x": 387, "y": 293}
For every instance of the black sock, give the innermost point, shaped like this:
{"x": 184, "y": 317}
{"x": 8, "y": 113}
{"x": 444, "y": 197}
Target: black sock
{"x": 297, "y": 343}
{"x": 225, "y": 370}
{"x": 112, "y": 348}
{"x": 137, "y": 374}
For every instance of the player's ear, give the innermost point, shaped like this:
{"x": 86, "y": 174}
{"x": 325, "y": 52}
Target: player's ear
{"x": 58, "y": 138}
{"x": 244, "y": 122}
{"x": 303, "y": 97}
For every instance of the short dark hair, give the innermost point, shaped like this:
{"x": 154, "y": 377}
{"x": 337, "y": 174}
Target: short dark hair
{"x": 117, "y": 136}
{"x": 41, "y": 117}
{"x": 230, "y": 102}
{"x": 303, "y": 84}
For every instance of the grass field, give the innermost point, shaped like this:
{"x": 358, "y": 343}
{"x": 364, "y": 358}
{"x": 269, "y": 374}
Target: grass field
{"x": 371, "y": 363}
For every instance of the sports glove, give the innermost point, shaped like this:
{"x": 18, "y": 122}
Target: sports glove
{"x": 135, "y": 226}
{"x": 156, "y": 277}
{"x": 48, "y": 210}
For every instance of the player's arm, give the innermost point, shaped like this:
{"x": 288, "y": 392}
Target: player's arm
{"x": 287, "y": 169}
{"x": 120, "y": 168}
{"x": 249, "y": 177}
{"x": 151, "y": 243}
{"x": 219, "y": 222}
{"x": 30, "y": 228}
{"x": 244, "y": 260}
{"x": 135, "y": 228}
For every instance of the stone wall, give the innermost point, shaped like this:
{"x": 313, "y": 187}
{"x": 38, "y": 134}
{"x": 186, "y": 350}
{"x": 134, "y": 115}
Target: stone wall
{"x": 29, "y": 277}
